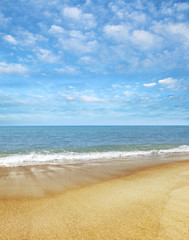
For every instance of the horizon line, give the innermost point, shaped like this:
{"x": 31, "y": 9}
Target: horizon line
{"x": 93, "y": 125}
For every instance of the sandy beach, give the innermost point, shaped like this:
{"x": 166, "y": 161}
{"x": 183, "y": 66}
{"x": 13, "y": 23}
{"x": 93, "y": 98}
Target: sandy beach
{"x": 94, "y": 120}
{"x": 151, "y": 203}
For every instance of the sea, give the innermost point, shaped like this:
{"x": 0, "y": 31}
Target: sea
{"x": 35, "y": 145}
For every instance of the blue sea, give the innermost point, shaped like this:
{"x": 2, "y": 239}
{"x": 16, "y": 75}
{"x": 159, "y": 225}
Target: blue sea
{"x": 35, "y": 145}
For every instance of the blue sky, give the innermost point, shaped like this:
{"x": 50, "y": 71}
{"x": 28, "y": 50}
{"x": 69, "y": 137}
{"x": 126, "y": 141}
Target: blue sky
{"x": 94, "y": 62}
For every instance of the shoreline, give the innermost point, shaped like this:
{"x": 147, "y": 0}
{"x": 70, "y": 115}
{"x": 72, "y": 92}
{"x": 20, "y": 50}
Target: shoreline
{"x": 151, "y": 203}
{"x": 41, "y": 180}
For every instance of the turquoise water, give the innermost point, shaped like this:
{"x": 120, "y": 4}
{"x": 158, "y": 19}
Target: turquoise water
{"x": 69, "y": 144}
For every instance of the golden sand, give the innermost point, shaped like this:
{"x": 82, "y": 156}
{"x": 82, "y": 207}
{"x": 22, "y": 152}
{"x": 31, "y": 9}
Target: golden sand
{"x": 149, "y": 204}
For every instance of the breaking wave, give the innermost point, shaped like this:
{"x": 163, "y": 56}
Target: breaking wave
{"x": 62, "y": 157}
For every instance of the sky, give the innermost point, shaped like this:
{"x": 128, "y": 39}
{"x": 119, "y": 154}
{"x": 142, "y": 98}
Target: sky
{"x": 92, "y": 62}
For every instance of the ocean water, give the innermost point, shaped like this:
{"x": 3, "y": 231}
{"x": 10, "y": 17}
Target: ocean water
{"x": 21, "y": 146}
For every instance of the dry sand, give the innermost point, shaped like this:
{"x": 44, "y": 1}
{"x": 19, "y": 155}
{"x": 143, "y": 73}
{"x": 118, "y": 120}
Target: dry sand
{"x": 152, "y": 203}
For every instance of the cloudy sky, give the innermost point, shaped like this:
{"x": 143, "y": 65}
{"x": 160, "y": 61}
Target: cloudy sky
{"x": 94, "y": 62}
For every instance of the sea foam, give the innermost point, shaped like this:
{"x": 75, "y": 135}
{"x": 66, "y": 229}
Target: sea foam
{"x": 48, "y": 157}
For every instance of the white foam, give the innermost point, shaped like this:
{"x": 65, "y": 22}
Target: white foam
{"x": 35, "y": 158}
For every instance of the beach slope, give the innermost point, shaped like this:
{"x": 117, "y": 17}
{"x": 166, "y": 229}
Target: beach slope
{"x": 152, "y": 203}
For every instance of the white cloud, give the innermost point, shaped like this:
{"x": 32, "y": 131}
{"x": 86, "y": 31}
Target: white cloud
{"x": 56, "y": 30}
{"x": 13, "y": 68}
{"x": 10, "y": 39}
{"x": 143, "y": 39}
{"x": 149, "y": 84}
{"x": 137, "y": 16}
{"x": 75, "y": 14}
{"x": 181, "y": 6}
{"x": 77, "y": 34}
{"x": 72, "y": 12}
{"x": 181, "y": 29}
{"x": 86, "y": 99}
{"x": 78, "y": 46}
{"x": 68, "y": 70}
{"x": 117, "y": 32}
{"x": 173, "y": 32}
{"x": 90, "y": 99}
{"x": 68, "y": 98}
{"x": 140, "y": 38}
{"x": 78, "y": 42}
{"x": 26, "y": 38}
{"x": 46, "y": 55}
{"x": 131, "y": 12}
{"x": 86, "y": 60}
{"x": 169, "y": 82}
{"x": 116, "y": 10}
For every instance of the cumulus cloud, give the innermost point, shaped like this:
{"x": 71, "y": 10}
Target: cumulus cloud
{"x": 13, "y": 68}
{"x": 149, "y": 84}
{"x": 26, "y": 38}
{"x": 46, "y": 55}
{"x": 77, "y": 45}
{"x": 123, "y": 34}
{"x": 143, "y": 39}
{"x": 72, "y": 12}
{"x": 75, "y": 41}
{"x": 77, "y": 34}
{"x": 169, "y": 82}
{"x": 137, "y": 16}
{"x": 75, "y": 14}
{"x": 174, "y": 32}
{"x": 117, "y": 32}
{"x": 56, "y": 30}
{"x": 181, "y": 29}
{"x": 10, "y": 39}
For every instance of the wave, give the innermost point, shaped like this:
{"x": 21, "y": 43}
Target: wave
{"x": 47, "y": 157}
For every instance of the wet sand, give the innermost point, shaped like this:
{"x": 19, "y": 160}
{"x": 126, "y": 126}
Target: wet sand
{"x": 151, "y": 203}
